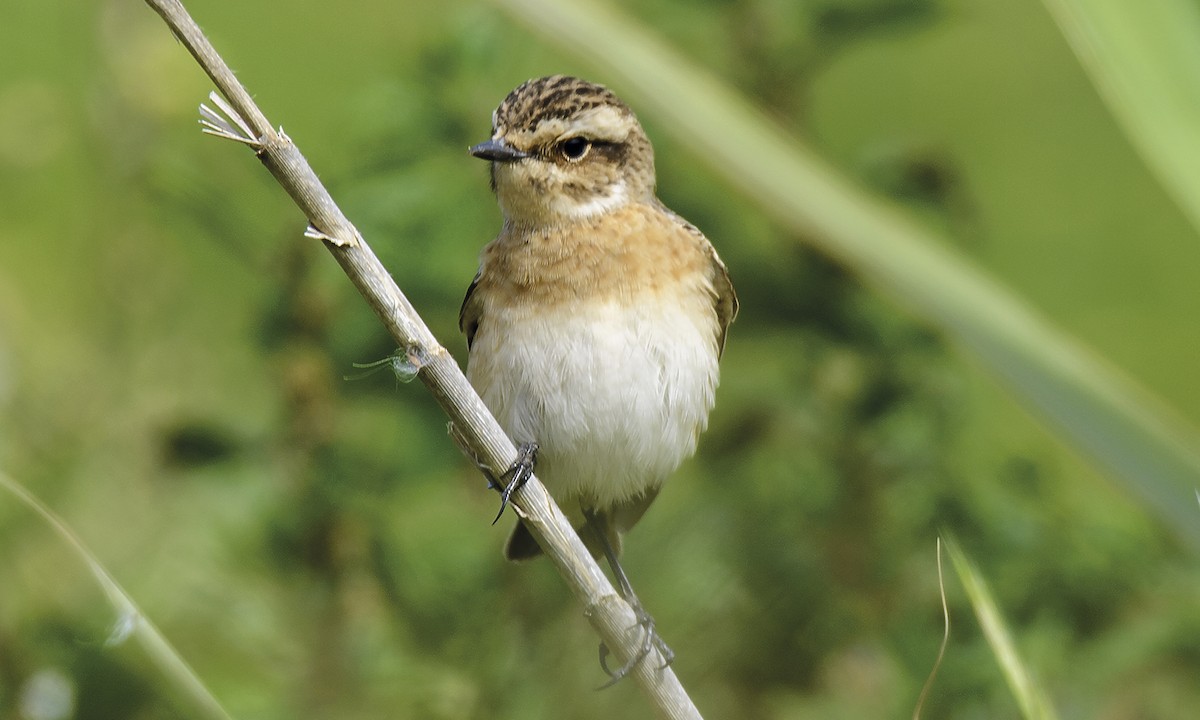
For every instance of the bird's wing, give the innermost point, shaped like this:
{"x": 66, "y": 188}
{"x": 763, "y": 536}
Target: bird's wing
{"x": 726, "y": 298}
{"x": 470, "y": 312}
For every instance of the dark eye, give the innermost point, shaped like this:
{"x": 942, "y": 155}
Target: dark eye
{"x": 574, "y": 148}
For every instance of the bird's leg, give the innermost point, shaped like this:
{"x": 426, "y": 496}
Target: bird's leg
{"x": 650, "y": 637}
{"x": 517, "y": 474}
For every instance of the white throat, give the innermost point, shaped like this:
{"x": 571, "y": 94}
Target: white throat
{"x": 616, "y": 196}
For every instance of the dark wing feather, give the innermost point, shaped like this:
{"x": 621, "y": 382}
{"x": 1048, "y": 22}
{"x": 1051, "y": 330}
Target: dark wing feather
{"x": 469, "y": 313}
{"x": 726, "y": 299}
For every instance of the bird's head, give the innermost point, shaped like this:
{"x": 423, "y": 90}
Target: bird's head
{"x": 563, "y": 149}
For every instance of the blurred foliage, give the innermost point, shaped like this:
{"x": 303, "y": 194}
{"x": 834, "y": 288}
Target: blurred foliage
{"x": 172, "y": 354}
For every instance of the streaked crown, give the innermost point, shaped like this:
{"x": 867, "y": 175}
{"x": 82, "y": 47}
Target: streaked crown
{"x": 564, "y": 149}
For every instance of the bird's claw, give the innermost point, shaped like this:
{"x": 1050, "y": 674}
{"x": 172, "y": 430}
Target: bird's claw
{"x": 519, "y": 473}
{"x": 650, "y": 640}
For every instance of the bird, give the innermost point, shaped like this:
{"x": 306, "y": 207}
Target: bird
{"x": 597, "y": 317}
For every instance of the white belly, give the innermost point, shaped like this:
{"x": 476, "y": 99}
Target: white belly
{"x": 614, "y": 397}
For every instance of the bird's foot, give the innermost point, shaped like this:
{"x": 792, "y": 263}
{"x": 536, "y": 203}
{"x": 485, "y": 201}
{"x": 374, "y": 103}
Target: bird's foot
{"x": 517, "y": 475}
{"x": 650, "y": 640}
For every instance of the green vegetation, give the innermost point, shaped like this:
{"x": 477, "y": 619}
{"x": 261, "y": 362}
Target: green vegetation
{"x": 172, "y": 354}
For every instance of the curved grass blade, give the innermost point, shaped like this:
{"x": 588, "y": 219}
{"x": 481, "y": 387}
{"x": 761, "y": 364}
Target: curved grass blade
{"x": 1029, "y": 695}
{"x": 1144, "y": 59}
{"x": 131, "y": 622}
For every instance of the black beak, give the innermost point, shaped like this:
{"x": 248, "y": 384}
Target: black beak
{"x": 497, "y": 151}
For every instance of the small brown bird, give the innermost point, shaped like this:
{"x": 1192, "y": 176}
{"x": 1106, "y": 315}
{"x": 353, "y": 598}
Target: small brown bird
{"x": 598, "y": 315}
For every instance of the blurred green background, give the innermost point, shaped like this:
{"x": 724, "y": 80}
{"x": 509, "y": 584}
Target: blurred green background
{"x": 172, "y": 354}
